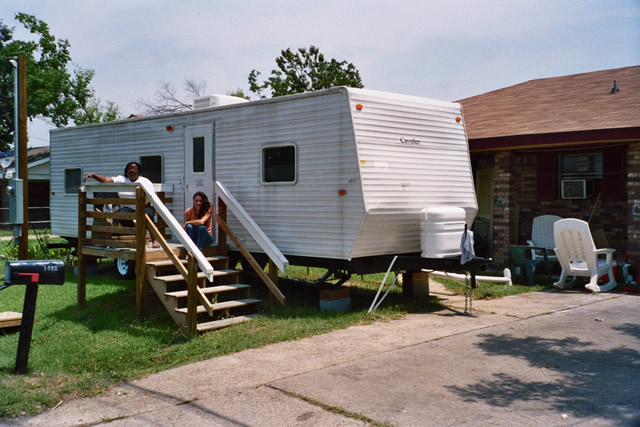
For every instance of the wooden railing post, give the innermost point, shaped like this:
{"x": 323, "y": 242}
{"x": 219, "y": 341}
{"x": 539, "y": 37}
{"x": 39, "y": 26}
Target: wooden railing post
{"x": 192, "y": 297}
{"x": 273, "y": 275}
{"x": 223, "y": 247}
{"x": 82, "y": 235}
{"x": 141, "y": 245}
{"x": 254, "y": 264}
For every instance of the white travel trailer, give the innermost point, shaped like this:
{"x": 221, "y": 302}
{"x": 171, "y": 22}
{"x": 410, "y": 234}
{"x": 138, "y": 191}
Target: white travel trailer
{"x": 330, "y": 177}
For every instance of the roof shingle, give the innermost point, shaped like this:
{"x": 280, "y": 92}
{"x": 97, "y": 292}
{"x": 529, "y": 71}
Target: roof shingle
{"x": 559, "y": 104}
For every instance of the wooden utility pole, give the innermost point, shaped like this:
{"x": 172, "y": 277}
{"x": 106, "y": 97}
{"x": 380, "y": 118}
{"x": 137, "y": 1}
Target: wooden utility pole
{"x": 21, "y": 149}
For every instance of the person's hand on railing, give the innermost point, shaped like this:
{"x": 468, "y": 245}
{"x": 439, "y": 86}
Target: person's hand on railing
{"x": 97, "y": 177}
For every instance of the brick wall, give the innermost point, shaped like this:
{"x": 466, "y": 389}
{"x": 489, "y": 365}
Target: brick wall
{"x": 515, "y": 206}
{"x": 633, "y": 205}
{"x": 502, "y": 207}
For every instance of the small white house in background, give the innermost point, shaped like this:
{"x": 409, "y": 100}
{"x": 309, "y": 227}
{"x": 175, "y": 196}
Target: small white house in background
{"x": 38, "y": 162}
{"x": 338, "y": 174}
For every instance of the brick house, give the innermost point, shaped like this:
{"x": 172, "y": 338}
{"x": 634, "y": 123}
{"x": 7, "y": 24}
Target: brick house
{"x": 568, "y": 146}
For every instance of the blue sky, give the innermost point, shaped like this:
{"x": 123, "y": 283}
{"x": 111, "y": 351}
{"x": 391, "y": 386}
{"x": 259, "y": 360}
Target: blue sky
{"x": 449, "y": 49}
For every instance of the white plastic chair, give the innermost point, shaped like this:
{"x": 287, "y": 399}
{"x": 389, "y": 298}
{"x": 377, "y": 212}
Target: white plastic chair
{"x": 542, "y": 237}
{"x": 578, "y": 255}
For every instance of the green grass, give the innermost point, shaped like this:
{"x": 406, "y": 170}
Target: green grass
{"x": 82, "y": 352}
{"x": 32, "y": 232}
{"x": 496, "y": 290}
{"x": 489, "y": 289}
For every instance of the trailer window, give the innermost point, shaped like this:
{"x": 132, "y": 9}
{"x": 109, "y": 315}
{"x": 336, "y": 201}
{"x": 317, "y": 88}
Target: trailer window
{"x": 198, "y": 154}
{"x": 279, "y": 164}
{"x": 72, "y": 180}
{"x": 152, "y": 168}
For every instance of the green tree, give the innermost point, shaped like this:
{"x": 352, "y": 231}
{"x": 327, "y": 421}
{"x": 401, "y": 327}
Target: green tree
{"x": 89, "y": 109}
{"x": 238, "y": 93}
{"x": 6, "y": 91}
{"x": 304, "y": 71}
{"x": 52, "y": 91}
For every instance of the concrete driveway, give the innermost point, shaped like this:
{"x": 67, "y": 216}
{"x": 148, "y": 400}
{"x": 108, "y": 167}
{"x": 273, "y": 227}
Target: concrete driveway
{"x": 543, "y": 358}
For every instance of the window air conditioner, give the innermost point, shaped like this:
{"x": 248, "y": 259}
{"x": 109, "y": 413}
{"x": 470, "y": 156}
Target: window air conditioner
{"x": 574, "y": 188}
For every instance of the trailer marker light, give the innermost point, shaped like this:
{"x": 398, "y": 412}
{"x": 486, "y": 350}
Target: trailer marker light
{"x": 458, "y": 119}
{"x": 342, "y": 192}
{"x": 359, "y": 107}
{"x": 170, "y": 128}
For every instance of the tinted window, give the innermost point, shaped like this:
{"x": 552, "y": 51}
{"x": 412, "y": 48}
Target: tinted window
{"x": 198, "y": 154}
{"x": 279, "y": 164}
{"x": 152, "y": 168}
{"x": 72, "y": 180}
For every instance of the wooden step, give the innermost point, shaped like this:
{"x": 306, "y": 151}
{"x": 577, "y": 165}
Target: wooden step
{"x": 178, "y": 277}
{"x": 226, "y": 305}
{"x": 169, "y": 263}
{"x": 218, "y": 324}
{"x": 210, "y": 290}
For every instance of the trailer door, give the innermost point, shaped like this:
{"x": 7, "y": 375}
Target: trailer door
{"x": 198, "y": 168}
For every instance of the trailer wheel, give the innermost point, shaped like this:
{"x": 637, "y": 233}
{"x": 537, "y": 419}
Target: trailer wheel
{"x": 125, "y": 268}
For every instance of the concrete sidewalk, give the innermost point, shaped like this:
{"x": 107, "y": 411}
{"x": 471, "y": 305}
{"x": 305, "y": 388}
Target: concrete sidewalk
{"x": 542, "y": 358}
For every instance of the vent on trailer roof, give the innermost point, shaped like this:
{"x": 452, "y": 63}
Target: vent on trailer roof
{"x": 208, "y": 101}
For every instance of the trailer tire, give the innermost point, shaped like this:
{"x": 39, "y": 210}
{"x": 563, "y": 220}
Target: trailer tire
{"x": 125, "y": 268}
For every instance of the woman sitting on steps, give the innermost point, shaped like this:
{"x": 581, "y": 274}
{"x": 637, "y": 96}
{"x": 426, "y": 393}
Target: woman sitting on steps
{"x": 198, "y": 221}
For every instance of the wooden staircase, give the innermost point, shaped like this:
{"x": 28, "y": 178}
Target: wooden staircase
{"x": 181, "y": 284}
{"x": 230, "y": 301}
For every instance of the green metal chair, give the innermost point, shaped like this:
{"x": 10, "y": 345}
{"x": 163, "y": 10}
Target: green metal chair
{"x": 519, "y": 257}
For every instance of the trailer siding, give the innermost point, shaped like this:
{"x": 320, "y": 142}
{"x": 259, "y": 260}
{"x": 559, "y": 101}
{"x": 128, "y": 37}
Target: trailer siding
{"x": 359, "y": 189}
{"x": 308, "y": 217}
{"x": 413, "y": 154}
{"x": 106, "y": 149}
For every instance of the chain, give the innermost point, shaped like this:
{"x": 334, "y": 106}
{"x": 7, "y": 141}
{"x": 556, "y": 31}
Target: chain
{"x": 468, "y": 296}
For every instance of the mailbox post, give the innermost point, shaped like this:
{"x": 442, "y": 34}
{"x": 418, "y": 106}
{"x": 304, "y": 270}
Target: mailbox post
{"x": 32, "y": 274}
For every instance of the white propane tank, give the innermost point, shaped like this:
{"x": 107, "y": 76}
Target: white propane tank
{"x": 441, "y": 231}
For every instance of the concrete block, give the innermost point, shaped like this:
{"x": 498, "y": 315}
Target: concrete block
{"x": 335, "y": 300}
{"x": 421, "y": 284}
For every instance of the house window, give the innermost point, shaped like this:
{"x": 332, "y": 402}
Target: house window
{"x": 279, "y": 164}
{"x": 581, "y": 175}
{"x": 152, "y": 168}
{"x": 72, "y": 180}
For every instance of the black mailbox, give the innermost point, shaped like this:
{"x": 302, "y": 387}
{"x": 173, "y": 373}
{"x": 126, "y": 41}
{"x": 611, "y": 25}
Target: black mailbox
{"x": 48, "y": 272}
{"x": 32, "y": 274}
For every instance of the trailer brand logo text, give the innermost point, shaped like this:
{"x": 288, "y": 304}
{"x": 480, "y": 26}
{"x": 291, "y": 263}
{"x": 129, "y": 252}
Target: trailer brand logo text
{"x": 409, "y": 141}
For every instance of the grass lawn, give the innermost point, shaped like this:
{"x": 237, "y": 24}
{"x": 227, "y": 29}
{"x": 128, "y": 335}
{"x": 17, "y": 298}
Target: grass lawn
{"x": 82, "y": 352}
{"x": 32, "y": 232}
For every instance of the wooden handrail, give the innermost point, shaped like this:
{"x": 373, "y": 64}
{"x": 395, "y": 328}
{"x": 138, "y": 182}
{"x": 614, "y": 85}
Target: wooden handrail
{"x": 254, "y": 264}
{"x": 163, "y": 212}
{"x": 178, "y": 265}
{"x": 143, "y": 221}
{"x": 250, "y": 225}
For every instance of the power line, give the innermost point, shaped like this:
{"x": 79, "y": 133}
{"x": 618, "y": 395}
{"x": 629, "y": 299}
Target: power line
{"x": 47, "y": 121}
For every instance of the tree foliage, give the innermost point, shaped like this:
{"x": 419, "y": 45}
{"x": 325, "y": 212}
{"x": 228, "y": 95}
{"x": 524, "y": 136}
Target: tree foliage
{"x": 52, "y": 91}
{"x": 89, "y": 109}
{"x": 238, "y": 93}
{"x": 303, "y": 71}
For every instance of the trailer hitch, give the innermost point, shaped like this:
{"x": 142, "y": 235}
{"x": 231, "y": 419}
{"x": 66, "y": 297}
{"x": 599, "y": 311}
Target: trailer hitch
{"x": 340, "y": 276}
